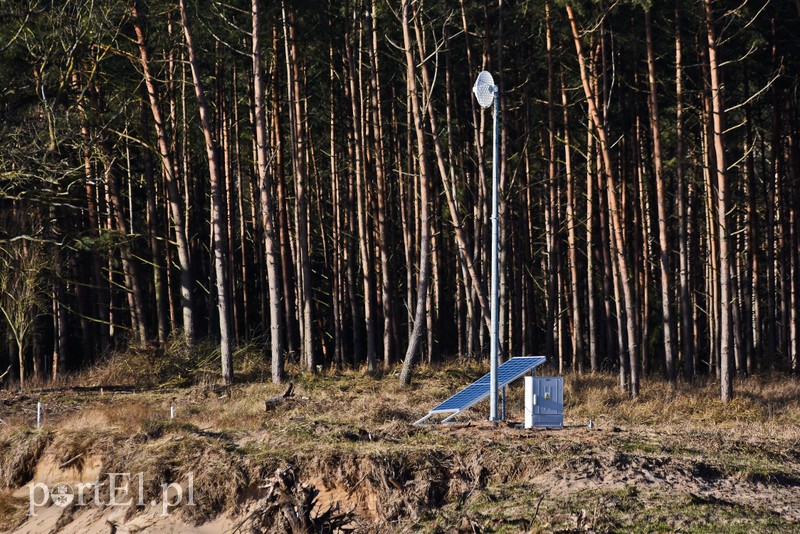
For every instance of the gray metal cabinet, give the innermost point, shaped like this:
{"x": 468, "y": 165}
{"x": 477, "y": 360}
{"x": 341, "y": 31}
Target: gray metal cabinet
{"x": 544, "y": 401}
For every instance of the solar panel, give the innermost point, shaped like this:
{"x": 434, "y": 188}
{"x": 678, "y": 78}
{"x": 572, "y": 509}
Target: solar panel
{"x": 480, "y": 389}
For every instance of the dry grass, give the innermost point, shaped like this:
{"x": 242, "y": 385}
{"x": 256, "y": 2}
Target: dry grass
{"x": 12, "y": 510}
{"x": 770, "y": 403}
{"x": 19, "y": 455}
{"x": 332, "y": 404}
{"x": 353, "y": 431}
{"x": 174, "y": 364}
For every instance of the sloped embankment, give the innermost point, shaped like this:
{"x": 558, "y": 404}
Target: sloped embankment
{"x": 599, "y": 480}
{"x": 342, "y": 454}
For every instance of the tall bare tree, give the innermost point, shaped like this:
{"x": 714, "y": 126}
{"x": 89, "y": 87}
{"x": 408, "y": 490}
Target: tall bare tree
{"x": 219, "y": 228}
{"x": 423, "y": 282}
{"x": 301, "y": 184}
{"x": 721, "y": 214}
{"x": 175, "y": 203}
{"x": 683, "y": 240}
{"x": 575, "y": 290}
{"x": 661, "y": 203}
{"x": 267, "y": 207}
{"x": 614, "y": 208}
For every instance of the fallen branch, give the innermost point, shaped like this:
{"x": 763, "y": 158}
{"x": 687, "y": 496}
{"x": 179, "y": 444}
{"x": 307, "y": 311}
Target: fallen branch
{"x": 349, "y": 493}
{"x": 272, "y": 403}
{"x": 70, "y": 461}
{"x": 291, "y": 506}
{"x": 536, "y": 513}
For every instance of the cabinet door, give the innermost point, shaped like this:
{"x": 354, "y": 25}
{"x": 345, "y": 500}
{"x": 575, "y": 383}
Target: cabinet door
{"x": 549, "y": 396}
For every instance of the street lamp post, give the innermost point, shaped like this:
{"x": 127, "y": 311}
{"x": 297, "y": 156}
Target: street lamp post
{"x": 486, "y": 93}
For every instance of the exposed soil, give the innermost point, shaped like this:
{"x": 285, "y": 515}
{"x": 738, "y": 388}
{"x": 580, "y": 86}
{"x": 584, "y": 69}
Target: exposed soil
{"x": 341, "y": 455}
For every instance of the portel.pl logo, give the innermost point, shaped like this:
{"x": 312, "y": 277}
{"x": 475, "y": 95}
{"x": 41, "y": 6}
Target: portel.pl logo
{"x": 124, "y": 489}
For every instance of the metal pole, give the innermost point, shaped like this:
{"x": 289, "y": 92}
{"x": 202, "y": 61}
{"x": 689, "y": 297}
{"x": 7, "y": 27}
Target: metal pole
{"x": 493, "y": 346}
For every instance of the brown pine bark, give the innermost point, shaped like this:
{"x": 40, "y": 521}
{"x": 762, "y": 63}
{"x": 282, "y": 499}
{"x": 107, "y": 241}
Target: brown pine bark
{"x": 718, "y": 117}
{"x": 218, "y": 226}
{"x": 175, "y": 205}
{"x": 300, "y": 180}
{"x": 683, "y": 241}
{"x": 364, "y": 226}
{"x": 423, "y": 282}
{"x": 553, "y": 253}
{"x": 572, "y": 247}
{"x": 272, "y": 251}
{"x": 661, "y": 203}
{"x": 619, "y": 242}
{"x": 380, "y": 178}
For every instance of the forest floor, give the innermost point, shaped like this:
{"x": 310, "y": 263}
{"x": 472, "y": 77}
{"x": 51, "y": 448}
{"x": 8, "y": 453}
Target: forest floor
{"x": 342, "y": 453}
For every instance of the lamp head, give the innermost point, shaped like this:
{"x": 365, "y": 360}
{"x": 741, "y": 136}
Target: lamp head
{"x": 485, "y": 89}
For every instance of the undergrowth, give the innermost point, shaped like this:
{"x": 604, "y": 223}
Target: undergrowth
{"x": 352, "y": 432}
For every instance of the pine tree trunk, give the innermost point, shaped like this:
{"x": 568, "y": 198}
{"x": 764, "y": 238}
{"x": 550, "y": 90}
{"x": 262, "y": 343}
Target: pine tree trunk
{"x": 661, "y": 202}
{"x": 218, "y": 226}
{"x": 338, "y": 246}
{"x": 415, "y": 340}
{"x": 283, "y": 242}
{"x": 553, "y": 253}
{"x": 590, "y": 253}
{"x": 777, "y": 149}
{"x": 577, "y": 319}
{"x": 380, "y": 178}
{"x": 90, "y": 191}
{"x": 176, "y": 208}
{"x": 132, "y": 283}
{"x": 61, "y": 344}
{"x": 794, "y": 222}
{"x": 614, "y": 207}
{"x": 356, "y": 309}
{"x": 718, "y": 115}
{"x": 299, "y": 164}
{"x": 481, "y": 205}
{"x": 364, "y": 227}
{"x": 448, "y": 187}
{"x": 645, "y": 227}
{"x": 684, "y": 274}
{"x": 154, "y": 231}
{"x": 267, "y": 207}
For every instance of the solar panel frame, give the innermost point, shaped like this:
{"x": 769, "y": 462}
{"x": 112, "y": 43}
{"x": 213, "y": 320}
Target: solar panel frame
{"x": 480, "y": 389}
